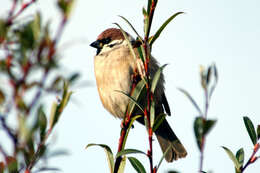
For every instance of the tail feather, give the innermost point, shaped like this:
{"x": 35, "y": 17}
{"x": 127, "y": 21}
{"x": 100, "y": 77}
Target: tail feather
{"x": 166, "y": 138}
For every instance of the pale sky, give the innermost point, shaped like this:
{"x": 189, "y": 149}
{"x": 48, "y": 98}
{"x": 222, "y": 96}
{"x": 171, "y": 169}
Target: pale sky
{"x": 226, "y": 32}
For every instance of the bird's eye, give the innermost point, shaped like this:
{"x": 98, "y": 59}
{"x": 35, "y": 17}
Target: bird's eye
{"x": 106, "y": 40}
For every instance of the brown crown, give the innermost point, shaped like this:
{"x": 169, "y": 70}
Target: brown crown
{"x": 112, "y": 33}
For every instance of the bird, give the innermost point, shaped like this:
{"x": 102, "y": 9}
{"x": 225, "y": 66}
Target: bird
{"x": 114, "y": 68}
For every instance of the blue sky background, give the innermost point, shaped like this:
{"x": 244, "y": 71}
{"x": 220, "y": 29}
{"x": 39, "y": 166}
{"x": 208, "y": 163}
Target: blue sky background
{"x": 226, "y": 32}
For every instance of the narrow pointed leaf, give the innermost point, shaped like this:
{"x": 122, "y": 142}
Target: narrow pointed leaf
{"x": 215, "y": 72}
{"x": 232, "y": 157}
{"x": 53, "y": 114}
{"x": 192, "y": 100}
{"x": 157, "y": 34}
{"x": 258, "y": 132}
{"x": 156, "y": 78}
{"x": 141, "y": 53}
{"x": 137, "y": 165}
{"x": 121, "y": 168}
{"x": 127, "y": 21}
{"x": 42, "y": 122}
{"x": 128, "y": 41}
{"x": 149, "y": 4}
{"x": 129, "y": 127}
{"x": 209, "y": 72}
{"x": 136, "y": 95}
{"x": 163, "y": 156}
{"x": 109, "y": 154}
{"x": 158, "y": 120}
{"x": 133, "y": 100}
{"x": 152, "y": 113}
{"x": 250, "y": 129}
{"x": 145, "y": 12}
{"x": 129, "y": 151}
{"x": 240, "y": 156}
{"x": 172, "y": 171}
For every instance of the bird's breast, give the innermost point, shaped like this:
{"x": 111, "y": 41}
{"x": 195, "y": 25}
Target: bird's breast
{"x": 113, "y": 75}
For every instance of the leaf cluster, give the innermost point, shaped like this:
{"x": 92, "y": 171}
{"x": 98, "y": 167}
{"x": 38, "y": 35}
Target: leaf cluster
{"x": 29, "y": 63}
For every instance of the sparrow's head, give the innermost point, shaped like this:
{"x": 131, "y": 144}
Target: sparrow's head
{"x": 110, "y": 39}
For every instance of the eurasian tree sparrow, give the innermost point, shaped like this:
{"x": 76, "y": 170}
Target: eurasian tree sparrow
{"x": 114, "y": 70}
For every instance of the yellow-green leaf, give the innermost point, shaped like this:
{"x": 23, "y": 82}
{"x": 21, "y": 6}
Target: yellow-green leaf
{"x": 121, "y": 168}
{"x": 109, "y": 154}
{"x": 232, "y": 157}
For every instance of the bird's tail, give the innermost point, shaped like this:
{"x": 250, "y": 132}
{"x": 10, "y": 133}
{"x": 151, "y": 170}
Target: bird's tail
{"x": 168, "y": 140}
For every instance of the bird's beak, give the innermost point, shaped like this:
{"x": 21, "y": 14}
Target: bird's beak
{"x": 96, "y": 44}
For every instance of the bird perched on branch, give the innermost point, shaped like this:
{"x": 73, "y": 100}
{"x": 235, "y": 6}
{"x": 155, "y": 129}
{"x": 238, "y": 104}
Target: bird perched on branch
{"x": 115, "y": 67}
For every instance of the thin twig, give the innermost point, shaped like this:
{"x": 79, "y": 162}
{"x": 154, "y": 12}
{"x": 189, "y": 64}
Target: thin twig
{"x": 24, "y": 6}
{"x": 252, "y": 158}
{"x": 39, "y": 148}
{"x": 8, "y": 130}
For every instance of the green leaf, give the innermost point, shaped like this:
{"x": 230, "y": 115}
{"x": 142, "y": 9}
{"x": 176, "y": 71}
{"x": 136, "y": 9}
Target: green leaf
{"x": 258, "y": 132}
{"x": 132, "y": 99}
{"x": 240, "y": 157}
{"x": 215, "y": 72}
{"x": 146, "y": 21}
{"x": 65, "y": 6}
{"x": 145, "y": 12}
{"x": 136, "y": 95}
{"x": 57, "y": 108}
{"x": 42, "y": 122}
{"x": 129, "y": 151}
{"x": 109, "y": 155}
{"x": 173, "y": 171}
{"x": 152, "y": 113}
{"x": 36, "y": 26}
{"x": 48, "y": 169}
{"x": 3, "y": 30}
{"x": 198, "y": 130}
{"x": 192, "y": 100}
{"x": 137, "y": 165}
{"x": 128, "y": 41}
{"x": 159, "y": 31}
{"x": 163, "y": 156}
{"x": 121, "y": 168}
{"x": 53, "y": 116}
{"x": 207, "y": 126}
{"x": 203, "y": 77}
{"x": 158, "y": 120}
{"x": 129, "y": 127}
{"x": 73, "y": 78}
{"x": 57, "y": 84}
{"x": 156, "y": 78}
{"x": 127, "y": 21}
{"x": 24, "y": 132}
{"x": 250, "y": 129}
{"x": 232, "y": 157}
{"x": 26, "y": 36}
{"x": 141, "y": 53}
{"x": 149, "y": 4}
{"x": 209, "y": 72}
